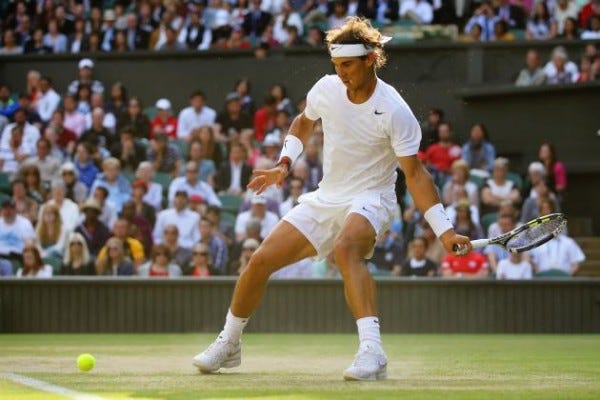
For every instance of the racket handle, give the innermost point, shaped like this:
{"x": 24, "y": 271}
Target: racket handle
{"x": 477, "y": 244}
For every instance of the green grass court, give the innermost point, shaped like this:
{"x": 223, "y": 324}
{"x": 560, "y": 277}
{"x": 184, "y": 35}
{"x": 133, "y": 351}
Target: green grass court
{"x": 290, "y": 367}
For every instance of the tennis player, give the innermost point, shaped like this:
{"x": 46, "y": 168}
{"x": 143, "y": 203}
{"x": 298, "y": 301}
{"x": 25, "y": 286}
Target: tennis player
{"x": 368, "y": 129}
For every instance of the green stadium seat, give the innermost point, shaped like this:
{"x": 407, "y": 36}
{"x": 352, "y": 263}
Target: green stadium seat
{"x": 150, "y": 112}
{"x": 228, "y": 218}
{"x": 129, "y": 175}
{"x": 182, "y": 146}
{"x": 477, "y": 180}
{"x": 4, "y": 197}
{"x": 516, "y": 179}
{"x": 164, "y": 179}
{"x": 54, "y": 262}
{"x": 5, "y": 186}
{"x": 487, "y": 220}
{"x": 552, "y": 273}
{"x": 231, "y": 203}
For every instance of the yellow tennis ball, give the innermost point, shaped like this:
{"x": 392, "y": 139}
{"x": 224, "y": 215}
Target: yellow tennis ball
{"x": 86, "y": 362}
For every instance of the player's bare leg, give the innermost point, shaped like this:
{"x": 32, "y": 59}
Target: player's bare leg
{"x": 283, "y": 246}
{"x": 354, "y": 242}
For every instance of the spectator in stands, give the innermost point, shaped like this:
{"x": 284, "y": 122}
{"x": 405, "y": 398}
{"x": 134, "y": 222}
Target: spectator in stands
{"x": 535, "y": 172}
{"x": 186, "y": 220}
{"x": 160, "y": 264}
{"x": 192, "y": 185}
{"x": 85, "y": 166}
{"x": 592, "y": 7}
{"x": 98, "y": 135}
{"x": 30, "y": 133}
{"x": 506, "y": 222}
{"x": 9, "y": 44}
{"x": 198, "y": 114}
{"x": 139, "y": 189}
{"x": 243, "y": 87}
{"x": 207, "y": 169}
{"x": 164, "y": 122}
{"x": 514, "y": 267}
{"x": 84, "y": 99}
{"x": 531, "y": 205}
{"x": 200, "y": 265}
{"x": 222, "y": 229}
{"x": 117, "y": 103}
{"x": 479, "y": 152}
{"x": 256, "y": 20}
{"x": 570, "y": 30}
{"x": 47, "y": 164}
{"x": 234, "y": 175}
{"x": 136, "y": 38}
{"x": 164, "y": 156}
{"x": 459, "y": 180}
{"x": 171, "y": 43}
{"x": 498, "y": 188}
{"x": 33, "y": 266}
{"x": 36, "y": 44}
{"x": 14, "y": 152}
{"x": 559, "y": 70}
{"x": 134, "y": 119}
{"x": 559, "y": 255}
{"x": 472, "y": 265}
{"x": 484, "y": 17}
{"x": 541, "y": 25}
{"x": 219, "y": 256}
{"x": 258, "y": 210}
{"x": 76, "y": 190}
{"x": 592, "y": 30}
{"x": 25, "y": 205}
{"x": 85, "y": 77}
{"x": 133, "y": 248}
{"x": 109, "y": 31}
{"x": 564, "y": 9}
{"x": 512, "y": 14}
{"x": 77, "y": 42}
{"x": 48, "y": 101}
{"x": 418, "y": 264}
{"x": 440, "y": 156}
{"x": 140, "y": 228}
{"x": 116, "y": 262}
{"x": 69, "y": 210}
{"x": 460, "y": 195}
{"x": 464, "y": 222}
{"x": 312, "y": 158}
{"x": 129, "y": 152}
{"x": 181, "y": 255}
{"x": 8, "y": 104}
{"x": 33, "y": 181}
{"x": 249, "y": 246}
{"x": 15, "y": 230}
{"x": 108, "y": 214}
{"x": 296, "y": 188}
{"x": 50, "y": 232}
{"x": 145, "y": 173}
{"x": 555, "y": 170}
{"x": 195, "y": 35}
{"x": 419, "y": 11}
{"x": 532, "y": 74}
{"x": 77, "y": 259}
{"x": 233, "y": 119}
{"x": 286, "y": 18}
{"x": 388, "y": 253}
{"x": 119, "y": 190}
{"x": 264, "y": 118}
{"x": 210, "y": 149}
{"x": 315, "y": 37}
{"x": 73, "y": 119}
{"x": 501, "y": 32}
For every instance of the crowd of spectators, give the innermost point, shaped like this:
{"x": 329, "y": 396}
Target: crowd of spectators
{"x": 92, "y": 183}
{"x": 72, "y": 26}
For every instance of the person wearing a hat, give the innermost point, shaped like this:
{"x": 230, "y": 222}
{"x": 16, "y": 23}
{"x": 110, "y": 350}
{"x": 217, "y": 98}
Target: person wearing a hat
{"x": 76, "y": 190}
{"x": 15, "y": 231}
{"x": 187, "y": 221}
{"x": 164, "y": 122}
{"x": 232, "y": 120}
{"x": 92, "y": 229}
{"x": 258, "y": 209}
{"x": 85, "y": 77}
{"x": 109, "y": 31}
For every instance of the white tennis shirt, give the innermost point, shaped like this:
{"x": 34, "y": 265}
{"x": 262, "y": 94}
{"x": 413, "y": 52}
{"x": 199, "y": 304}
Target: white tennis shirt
{"x": 361, "y": 141}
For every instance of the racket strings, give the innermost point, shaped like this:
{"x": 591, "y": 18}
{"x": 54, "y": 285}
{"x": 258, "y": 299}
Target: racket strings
{"x": 535, "y": 234}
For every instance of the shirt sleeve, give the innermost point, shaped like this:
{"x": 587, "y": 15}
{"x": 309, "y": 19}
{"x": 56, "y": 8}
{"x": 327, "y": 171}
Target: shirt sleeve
{"x": 405, "y": 134}
{"x": 313, "y": 100}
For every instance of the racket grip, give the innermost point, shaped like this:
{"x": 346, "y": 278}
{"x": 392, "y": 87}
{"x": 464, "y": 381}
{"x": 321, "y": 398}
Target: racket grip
{"x": 477, "y": 244}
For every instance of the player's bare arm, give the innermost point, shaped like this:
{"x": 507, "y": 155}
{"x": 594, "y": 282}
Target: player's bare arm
{"x": 301, "y": 128}
{"x": 421, "y": 187}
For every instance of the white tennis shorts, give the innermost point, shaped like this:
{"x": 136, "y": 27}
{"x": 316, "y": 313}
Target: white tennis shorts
{"x": 320, "y": 221}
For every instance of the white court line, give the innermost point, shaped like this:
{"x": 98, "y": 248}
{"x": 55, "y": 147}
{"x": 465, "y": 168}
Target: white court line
{"x": 48, "y": 387}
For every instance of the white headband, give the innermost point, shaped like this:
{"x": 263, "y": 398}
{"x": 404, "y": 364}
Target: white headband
{"x": 353, "y": 50}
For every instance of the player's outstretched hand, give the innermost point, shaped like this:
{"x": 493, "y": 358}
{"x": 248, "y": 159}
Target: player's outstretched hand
{"x": 454, "y": 243}
{"x": 263, "y": 178}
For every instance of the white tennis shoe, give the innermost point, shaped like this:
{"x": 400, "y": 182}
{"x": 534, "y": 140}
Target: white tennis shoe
{"x": 220, "y": 354}
{"x": 370, "y": 363}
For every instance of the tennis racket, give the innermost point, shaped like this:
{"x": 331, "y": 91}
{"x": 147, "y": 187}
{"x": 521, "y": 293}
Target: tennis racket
{"x": 525, "y": 237}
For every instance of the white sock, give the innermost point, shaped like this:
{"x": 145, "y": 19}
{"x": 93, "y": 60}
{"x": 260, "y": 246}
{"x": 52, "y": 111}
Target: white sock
{"x": 368, "y": 332}
{"x": 233, "y": 327}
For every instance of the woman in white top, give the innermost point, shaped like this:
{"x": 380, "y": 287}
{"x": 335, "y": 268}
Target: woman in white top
{"x": 498, "y": 188}
{"x": 459, "y": 180}
{"x": 514, "y": 267}
{"x": 50, "y": 232}
{"x": 33, "y": 266}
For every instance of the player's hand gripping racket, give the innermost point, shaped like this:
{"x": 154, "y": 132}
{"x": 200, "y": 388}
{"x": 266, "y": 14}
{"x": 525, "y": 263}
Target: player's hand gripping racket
{"x": 525, "y": 237}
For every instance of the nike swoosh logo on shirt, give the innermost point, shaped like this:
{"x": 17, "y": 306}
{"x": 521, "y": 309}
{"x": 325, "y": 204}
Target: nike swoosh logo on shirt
{"x": 378, "y": 112}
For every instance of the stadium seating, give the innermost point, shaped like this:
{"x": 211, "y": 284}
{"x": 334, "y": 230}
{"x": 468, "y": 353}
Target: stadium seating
{"x": 516, "y": 179}
{"x": 487, "y": 220}
{"x": 231, "y": 203}
{"x": 5, "y": 186}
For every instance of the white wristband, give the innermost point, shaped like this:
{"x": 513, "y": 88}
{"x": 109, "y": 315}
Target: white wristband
{"x": 438, "y": 219}
{"x": 292, "y": 148}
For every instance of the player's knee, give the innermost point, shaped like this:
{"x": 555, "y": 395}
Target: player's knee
{"x": 258, "y": 263}
{"x": 345, "y": 252}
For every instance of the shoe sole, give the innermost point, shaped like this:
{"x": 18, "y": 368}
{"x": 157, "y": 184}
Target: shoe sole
{"x": 378, "y": 376}
{"x": 230, "y": 363}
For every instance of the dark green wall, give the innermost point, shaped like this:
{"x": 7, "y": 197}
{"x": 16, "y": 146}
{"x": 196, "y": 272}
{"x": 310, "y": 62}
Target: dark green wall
{"x": 187, "y": 305}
